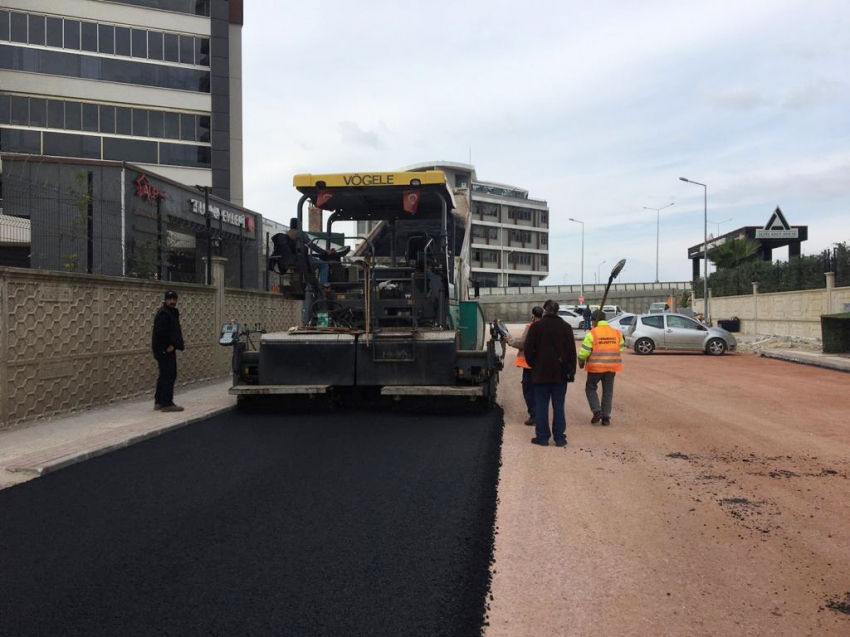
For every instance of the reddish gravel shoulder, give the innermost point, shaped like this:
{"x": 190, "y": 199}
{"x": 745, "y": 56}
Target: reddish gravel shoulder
{"x": 717, "y": 503}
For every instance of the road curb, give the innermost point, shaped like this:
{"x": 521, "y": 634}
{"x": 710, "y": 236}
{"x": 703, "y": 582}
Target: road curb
{"x": 41, "y": 467}
{"x": 822, "y": 362}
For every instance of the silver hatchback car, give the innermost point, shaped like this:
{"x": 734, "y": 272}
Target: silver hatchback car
{"x": 677, "y": 332}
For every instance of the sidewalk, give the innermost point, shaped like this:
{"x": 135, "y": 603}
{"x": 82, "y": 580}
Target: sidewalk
{"x": 35, "y": 449}
{"x": 818, "y": 359}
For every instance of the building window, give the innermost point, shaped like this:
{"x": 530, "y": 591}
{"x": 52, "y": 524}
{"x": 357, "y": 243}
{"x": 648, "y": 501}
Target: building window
{"x": 485, "y": 209}
{"x": 544, "y": 239}
{"x": 72, "y": 35}
{"x": 67, "y": 145}
{"x": 544, "y": 260}
{"x": 490, "y": 256}
{"x": 37, "y": 29}
{"x": 522, "y": 258}
{"x": 544, "y": 217}
{"x": 4, "y": 26}
{"x": 19, "y": 27}
{"x": 461, "y": 180}
{"x": 522, "y": 236}
{"x": 38, "y": 112}
{"x": 478, "y": 232}
{"x": 521, "y": 214}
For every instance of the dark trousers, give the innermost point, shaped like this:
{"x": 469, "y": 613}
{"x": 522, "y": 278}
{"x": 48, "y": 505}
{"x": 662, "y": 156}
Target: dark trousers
{"x": 607, "y": 379}
{"x": 556, "y": 393}
{"x": 167, "y": 376}
{"x": 528, "y": 391}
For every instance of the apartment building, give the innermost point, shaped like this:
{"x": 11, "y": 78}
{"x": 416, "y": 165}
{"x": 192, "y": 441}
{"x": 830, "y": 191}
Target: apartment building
{"x": 509, "y": 230}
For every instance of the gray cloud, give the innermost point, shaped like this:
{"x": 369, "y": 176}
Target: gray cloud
{"x": 353, "y": 135}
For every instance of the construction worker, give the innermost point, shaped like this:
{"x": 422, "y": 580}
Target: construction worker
{"x": 527, "y": 385}
{"x": 601, "y": 354}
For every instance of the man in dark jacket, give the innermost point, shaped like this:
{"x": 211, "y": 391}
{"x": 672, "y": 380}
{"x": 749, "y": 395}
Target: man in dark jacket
{"x": 166, "y": 339}
{"x": 550, "y": 349}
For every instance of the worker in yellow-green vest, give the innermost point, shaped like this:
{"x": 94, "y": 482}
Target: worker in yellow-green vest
{"x": 527, "y": 385}
{"x": 601, "y": 354}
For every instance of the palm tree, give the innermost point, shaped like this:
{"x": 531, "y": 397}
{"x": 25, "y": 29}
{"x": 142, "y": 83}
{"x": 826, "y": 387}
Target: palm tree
{"x": 733, "y": 253}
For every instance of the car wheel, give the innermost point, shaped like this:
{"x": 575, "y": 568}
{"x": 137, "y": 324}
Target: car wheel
{"x": 716, "y": 347}
{"x": 581, "y": 325}
{"x": 644, "y": 346}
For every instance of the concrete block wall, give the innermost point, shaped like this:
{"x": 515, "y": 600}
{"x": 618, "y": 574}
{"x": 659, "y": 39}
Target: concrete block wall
{"x": 795, "y": 314}
{"x": 71, "y": 341}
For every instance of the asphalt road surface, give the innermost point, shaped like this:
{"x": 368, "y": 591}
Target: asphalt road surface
{"x": 716, "y": 504}
{"x": 334, "y": 524}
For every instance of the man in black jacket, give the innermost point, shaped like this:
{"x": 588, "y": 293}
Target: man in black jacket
{"x": 550, "y": 349}
{"x": 166, "y": 339}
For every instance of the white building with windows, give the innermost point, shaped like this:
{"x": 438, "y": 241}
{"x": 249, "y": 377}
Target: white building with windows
{"x": 510, "y": 230}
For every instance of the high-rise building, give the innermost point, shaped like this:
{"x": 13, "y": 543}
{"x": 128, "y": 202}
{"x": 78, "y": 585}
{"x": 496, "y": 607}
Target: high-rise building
{"x": 509, "y": 244}
{"x": 152, "y": 82}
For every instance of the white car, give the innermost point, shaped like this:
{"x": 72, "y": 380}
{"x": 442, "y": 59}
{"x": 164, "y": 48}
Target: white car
{"x": 576, "y": 321}
{"x": 622, "y": 322}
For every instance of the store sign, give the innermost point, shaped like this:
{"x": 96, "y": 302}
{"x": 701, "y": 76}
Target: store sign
{"x": 147, "y": 190}
{"x": 777, "y": 228}
{"x": 227, "y": 216}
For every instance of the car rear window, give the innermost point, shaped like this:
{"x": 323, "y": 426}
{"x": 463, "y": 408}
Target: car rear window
{"x": 627, "y": 320}
{"x": 653, "y": 321}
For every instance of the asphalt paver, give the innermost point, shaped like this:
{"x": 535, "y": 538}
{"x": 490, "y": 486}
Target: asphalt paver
{"x": 358, "y": 523}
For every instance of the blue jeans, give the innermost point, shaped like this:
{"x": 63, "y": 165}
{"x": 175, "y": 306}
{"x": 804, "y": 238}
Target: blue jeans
{"x": 324, "y": 268}
{"x": 556, "y": 393}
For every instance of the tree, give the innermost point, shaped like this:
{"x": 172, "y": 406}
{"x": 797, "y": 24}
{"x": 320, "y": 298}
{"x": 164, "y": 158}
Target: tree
{"x": 733, "y": 253}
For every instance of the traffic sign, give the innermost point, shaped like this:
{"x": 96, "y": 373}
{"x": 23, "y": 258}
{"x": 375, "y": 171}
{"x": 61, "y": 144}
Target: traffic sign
{"x": 581, "y": 298}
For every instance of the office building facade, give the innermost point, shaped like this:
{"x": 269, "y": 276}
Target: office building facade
{"x": 152, "y": 82}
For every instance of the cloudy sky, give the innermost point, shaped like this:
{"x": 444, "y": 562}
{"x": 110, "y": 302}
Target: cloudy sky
{"x": 596, "y": 107}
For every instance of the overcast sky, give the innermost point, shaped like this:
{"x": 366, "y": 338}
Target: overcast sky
{"x": 596, "y": 107}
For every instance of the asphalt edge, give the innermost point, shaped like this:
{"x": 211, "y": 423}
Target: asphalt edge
{"x": 82, "y": 456}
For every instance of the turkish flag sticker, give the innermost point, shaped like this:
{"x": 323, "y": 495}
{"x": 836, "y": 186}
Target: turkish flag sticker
{"x": 323, "y": 197}
{"x": 411, "y": 200}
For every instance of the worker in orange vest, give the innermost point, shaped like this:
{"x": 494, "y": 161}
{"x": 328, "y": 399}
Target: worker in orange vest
{"x": 601, "y": 354}
{"x": 527, "y": 385}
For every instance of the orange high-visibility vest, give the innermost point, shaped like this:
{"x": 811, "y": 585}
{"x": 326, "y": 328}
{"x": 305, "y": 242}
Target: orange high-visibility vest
{"x": 605, "y": 356}
{"x": 520, "y": 355}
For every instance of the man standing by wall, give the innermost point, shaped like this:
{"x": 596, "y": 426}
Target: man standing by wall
{"x": 602, "y": 354}
{"x": 550, "y": 349}
{"x": 166, "y": 339}
{"x": 527, "y": 385}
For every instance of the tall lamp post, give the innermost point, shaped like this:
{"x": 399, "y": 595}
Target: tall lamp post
{"x": 657, "y": 232}
{"x": 581, "y": 289}
{"x": 704, "y": 247}
{"x": 506, "y": 256}
{"x": 718, "y": 224}
{"x": 598, "y": 275}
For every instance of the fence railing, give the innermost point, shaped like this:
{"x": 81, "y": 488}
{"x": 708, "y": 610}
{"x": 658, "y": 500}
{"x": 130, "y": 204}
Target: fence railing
{"x": 589, "y": 289}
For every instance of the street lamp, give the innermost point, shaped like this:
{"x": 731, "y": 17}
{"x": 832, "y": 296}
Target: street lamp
{"x": 598, "y": 275}
{"x": 657, "y": 232}
{"x": 704, "y": 247}
{"x": 505, "y": 257}
{"x": 581, "y": 289}
{"x": 718, "y": 225}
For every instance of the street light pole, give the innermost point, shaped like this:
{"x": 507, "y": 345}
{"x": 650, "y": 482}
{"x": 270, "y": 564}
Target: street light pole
{"x": 704, "y": 247}
{"x": 718, "y": 224}
{"x": 657, "y": 232}
{"x": 505, "y": 257}
{"x": 581, "y": 289}
{"x": 598, "y": 275}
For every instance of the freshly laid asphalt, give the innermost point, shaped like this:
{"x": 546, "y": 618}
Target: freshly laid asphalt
{"x": 359, "y": 523}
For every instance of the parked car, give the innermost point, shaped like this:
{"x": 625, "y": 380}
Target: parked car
{"x": 677, "y": 332}
{"x": 656, "y": 308}
{"x": 622, "y": 322}
{"x": 612, "y": 310}
{"x": 575, "y": 320}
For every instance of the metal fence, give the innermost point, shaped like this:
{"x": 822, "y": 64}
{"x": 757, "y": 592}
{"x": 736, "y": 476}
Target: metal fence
{"x": 87, "y": 225}
{"x": 588, "y": 289}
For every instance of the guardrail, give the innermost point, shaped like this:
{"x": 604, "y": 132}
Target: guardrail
{"x": 593, "y": 288}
